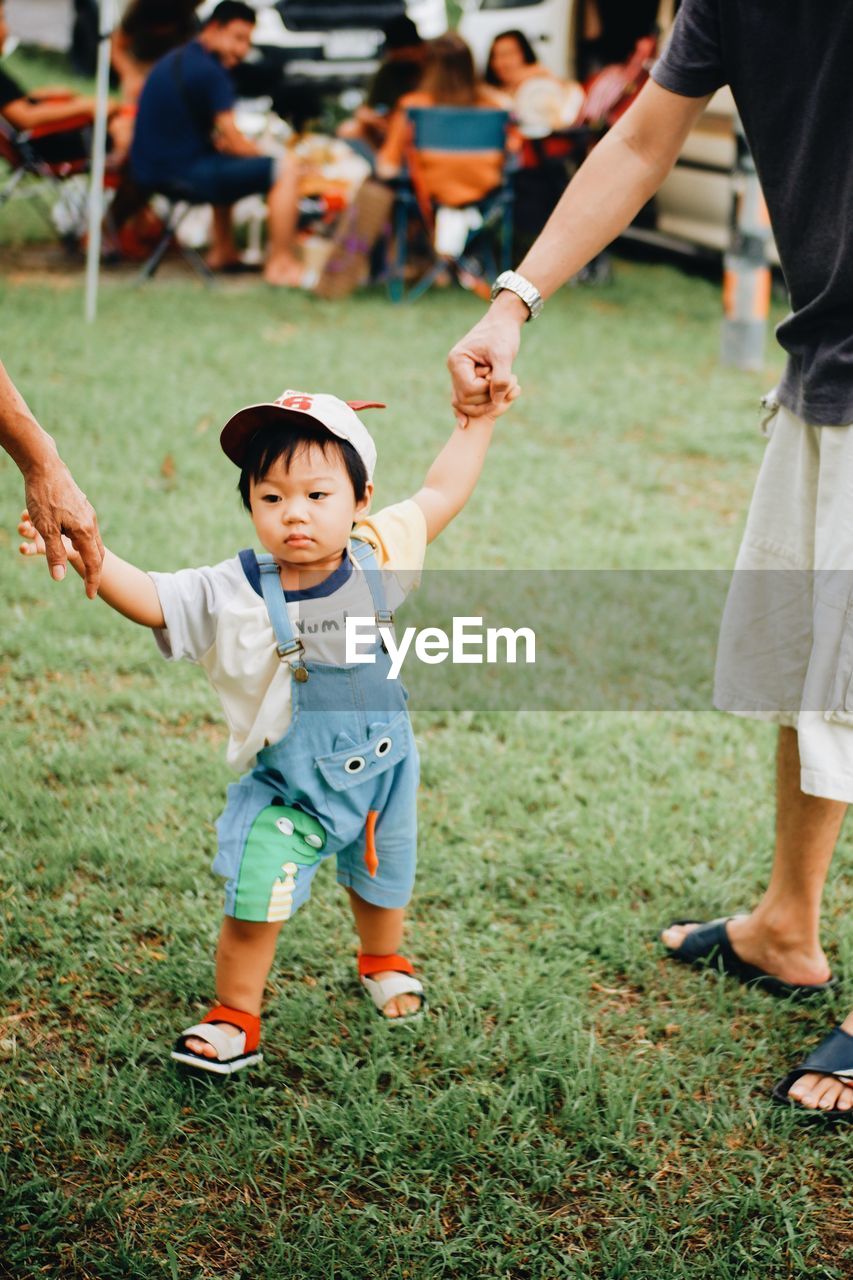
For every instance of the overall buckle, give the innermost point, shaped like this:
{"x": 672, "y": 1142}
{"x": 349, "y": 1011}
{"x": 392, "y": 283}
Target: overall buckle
{"x": 290, "y": 647}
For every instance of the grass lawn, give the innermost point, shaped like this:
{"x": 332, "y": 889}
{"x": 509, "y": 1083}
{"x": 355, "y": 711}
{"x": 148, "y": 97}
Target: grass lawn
{"x": 574, "y": 1106}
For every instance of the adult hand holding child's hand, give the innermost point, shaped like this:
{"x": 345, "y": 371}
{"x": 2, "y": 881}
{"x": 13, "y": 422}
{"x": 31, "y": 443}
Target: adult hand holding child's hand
{"x": 57, "y": 507}
{"x": 481, "y": 363}
{"x": 491, "y": 408}
{"x": 35, "y": 545}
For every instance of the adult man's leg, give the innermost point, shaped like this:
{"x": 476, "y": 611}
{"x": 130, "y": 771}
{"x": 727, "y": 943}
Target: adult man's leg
{"x": 782, "y": 935}
{"x": 222, "y": 180}
{"x": 223, "y": 249}
{"x": 282, "y": 267}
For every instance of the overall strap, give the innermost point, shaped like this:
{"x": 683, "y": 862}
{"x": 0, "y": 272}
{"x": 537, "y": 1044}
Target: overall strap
{"x": 287, "y": 644}
{"x": 362, "y": 552}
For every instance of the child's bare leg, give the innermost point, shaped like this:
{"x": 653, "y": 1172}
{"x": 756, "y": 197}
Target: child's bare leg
{"x": 380, "y": 931}
{"x": 243, "y": 960}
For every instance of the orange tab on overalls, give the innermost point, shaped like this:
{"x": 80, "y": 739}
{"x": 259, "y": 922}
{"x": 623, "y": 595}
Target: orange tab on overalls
{"x": 371, "y": 858}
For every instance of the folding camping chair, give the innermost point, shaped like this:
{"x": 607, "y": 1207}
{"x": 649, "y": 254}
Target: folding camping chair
{"x": 469, "y": 139}
{"x": 311, "y": 210}
{"x": 31, "y": 174}
{"x": 178, "y": 206}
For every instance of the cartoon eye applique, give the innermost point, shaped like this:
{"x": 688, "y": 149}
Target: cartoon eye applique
{"x": 355, "y": 764}
{"x": 382, "y": 747}
{"x": 285, "y": 826}
{"x": 316, "y": 842}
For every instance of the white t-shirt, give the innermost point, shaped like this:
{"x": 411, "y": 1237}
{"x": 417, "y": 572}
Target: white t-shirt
{"x": 217, "y": 617}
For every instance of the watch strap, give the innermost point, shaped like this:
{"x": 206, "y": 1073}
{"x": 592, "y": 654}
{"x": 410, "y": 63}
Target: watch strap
{"x": 523, "y": 288}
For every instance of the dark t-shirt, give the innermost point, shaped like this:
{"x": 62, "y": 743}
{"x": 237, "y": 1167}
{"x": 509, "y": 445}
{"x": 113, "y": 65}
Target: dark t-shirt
{"x": 182, "y": 96}
{"x": 788, "y": 63}
{"x": 10, "y": 90}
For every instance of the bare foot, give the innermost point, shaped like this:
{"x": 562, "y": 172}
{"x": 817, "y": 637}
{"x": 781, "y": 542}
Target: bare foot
{"x": 824, "y": 1093}
{"x": 755, "y": 944}
{"x": 398, "y": 1006}
{"x": 284, "y": 272}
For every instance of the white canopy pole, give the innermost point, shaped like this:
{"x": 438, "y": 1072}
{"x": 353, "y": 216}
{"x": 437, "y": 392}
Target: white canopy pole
{"x": 106, "y": 21}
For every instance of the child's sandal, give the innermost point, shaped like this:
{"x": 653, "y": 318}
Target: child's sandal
{"x": 234, "y": 1052}
{"x": 382, "y": 990}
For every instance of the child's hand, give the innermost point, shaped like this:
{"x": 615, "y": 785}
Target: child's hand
{"x": 496, "y": 410}
{"x": 34, "y": 545}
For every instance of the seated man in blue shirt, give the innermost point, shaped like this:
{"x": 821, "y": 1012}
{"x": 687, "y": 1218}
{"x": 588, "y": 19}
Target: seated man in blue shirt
{"x": 187, "y": 143}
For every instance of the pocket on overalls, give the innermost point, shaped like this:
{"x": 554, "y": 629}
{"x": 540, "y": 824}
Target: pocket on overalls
{"x": 356, "y": 763}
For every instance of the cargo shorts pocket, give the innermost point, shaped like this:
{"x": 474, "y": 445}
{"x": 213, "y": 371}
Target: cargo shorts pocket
{"x": 831, "y": 622}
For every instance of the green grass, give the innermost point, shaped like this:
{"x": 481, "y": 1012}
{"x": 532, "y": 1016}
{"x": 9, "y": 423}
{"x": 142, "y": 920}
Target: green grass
{"x": 574, "y": 1106}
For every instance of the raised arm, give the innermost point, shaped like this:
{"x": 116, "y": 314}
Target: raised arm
{"x": 618, "y": 177}
{"x": 451, "y": 479}
{"x": 54, "y": 501}
{"x": 123, "y": 587}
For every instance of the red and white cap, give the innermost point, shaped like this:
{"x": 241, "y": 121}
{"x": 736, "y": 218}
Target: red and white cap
{"x": 338, "y": 416}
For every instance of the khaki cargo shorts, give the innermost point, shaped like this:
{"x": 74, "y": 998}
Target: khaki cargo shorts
{"x": 786, "y": 641}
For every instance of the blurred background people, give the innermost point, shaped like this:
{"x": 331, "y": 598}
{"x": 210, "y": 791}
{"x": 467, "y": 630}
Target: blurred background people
{"x": 448, "y": 80}
{"x": 399, "y": 73}
{"x": 187, "y": 143}
{"x": 511, "y": 61}
{"x": 540, "y": 101}
{"x": 148, "y": 30}
{"x": 56, "y": 105}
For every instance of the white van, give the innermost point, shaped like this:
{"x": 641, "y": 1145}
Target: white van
{"x": 692, "y": 210}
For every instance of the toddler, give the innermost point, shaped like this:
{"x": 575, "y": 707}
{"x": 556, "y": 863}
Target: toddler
{"x": 330, "y": 760}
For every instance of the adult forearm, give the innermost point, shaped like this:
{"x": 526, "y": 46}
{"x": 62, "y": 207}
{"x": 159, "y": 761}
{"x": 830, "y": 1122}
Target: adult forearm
{"x": 617, "y": 179}
{"x": 36, "y": 114}
{"x": 53, "y": 500}
{"x": 607, "y": 192}
{"x": 28, "y": 444}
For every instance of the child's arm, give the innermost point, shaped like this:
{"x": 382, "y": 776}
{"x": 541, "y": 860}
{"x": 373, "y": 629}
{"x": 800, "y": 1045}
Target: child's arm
{"x": 124, "y": 587}
{"x": 451, "y": 479}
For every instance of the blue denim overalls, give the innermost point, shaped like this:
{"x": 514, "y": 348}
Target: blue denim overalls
{"x": 343, "y": 780}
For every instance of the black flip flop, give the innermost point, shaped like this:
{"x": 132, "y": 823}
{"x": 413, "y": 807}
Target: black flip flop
{"x": 832, "y": 1057}
{"x": 708, "y": 945}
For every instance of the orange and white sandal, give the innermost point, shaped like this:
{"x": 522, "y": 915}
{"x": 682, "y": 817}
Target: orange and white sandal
{"x": 234, "y": 1051}
{"x": 403, "y": 982}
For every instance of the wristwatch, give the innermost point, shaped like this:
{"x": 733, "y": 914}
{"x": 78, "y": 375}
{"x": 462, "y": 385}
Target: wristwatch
{"x": 529, "y": 294}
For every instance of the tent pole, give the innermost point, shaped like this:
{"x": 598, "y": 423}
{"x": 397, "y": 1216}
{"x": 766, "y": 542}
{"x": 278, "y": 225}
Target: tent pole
{"x": 99, "y": 146}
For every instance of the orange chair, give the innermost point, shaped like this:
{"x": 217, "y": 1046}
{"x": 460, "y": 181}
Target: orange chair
{"x": 32, "y": 172}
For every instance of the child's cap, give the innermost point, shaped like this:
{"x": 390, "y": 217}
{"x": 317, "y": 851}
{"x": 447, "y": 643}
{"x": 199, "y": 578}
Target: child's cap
{"x": 337, "y": 416}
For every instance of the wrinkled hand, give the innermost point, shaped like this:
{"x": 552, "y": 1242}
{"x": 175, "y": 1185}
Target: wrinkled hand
{"x": 34, "y": 544}
{"x": 55, "y": 506}
{"x": 481, "y": 364}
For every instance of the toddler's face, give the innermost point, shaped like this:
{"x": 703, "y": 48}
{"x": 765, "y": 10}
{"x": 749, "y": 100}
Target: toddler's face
{"x": 304, "y": 515}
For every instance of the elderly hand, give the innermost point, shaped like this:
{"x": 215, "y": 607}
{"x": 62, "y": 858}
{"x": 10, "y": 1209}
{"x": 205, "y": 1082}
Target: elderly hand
{"x": 56, "y": 506}
{"x": 481, "y": 364}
